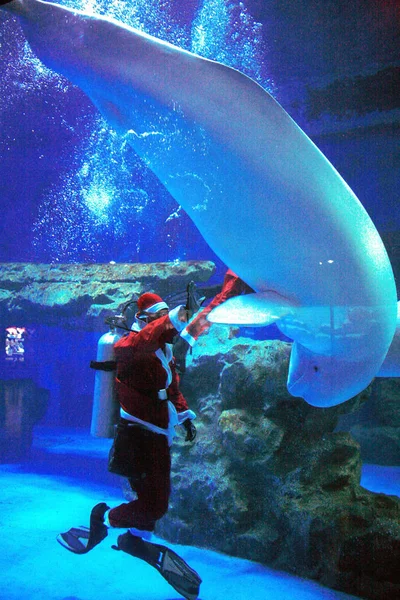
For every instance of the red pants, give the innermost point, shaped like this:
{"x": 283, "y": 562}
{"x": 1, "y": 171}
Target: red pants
{"x": 152, "y": 461}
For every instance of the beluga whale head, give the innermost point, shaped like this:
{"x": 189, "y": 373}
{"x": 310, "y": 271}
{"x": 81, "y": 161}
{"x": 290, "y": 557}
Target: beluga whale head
{"x": 333, "y": 355}
{"x": 324, "y": 381}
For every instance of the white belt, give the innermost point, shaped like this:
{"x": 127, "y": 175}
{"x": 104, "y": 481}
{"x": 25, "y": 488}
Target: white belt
{"x": 174, "y": 419}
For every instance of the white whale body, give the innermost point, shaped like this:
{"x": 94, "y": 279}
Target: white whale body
{"x": 265, "y": 199}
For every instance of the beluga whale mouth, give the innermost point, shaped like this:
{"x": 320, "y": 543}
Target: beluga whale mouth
{"x": 273, "y": 208}
{"x": 296, "y": 389}
{"x": 298, "y": 368}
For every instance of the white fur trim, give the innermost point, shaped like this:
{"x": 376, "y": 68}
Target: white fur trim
{"x": 170, "y": 432}
{"x": 156, "y": 307}
{"x": 186, "y": 414}
{"x": 165, "y": 359}
{"x": 186, "y": 336}
{"x": 106, "y": 520}
{"x": 173, "y": 315}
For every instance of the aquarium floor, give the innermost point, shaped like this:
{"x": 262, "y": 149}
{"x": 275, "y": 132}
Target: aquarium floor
{"x": 56, "y": 488}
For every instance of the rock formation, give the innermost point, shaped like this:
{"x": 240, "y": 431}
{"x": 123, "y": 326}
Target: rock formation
{"x": 270, "y": 480}
{"x": 80, "y": 295}
{"x": 269, "y": 477}
{"x": 377, "y": 427}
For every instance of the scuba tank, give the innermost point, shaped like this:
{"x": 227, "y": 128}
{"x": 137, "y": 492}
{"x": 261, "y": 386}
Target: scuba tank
{"x": 105, "y": 406}
{"x": 105, "y": 410}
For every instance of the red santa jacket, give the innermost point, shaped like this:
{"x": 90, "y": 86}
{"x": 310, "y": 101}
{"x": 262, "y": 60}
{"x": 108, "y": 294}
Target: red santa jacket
{"x": 140, "y": 373}
{"x": 232, "y": 286}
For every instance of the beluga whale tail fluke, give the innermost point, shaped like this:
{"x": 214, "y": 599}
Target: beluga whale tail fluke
{"x": 263, "y": 196}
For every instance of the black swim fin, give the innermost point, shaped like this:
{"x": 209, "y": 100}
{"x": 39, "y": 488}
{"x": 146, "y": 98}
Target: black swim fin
{"x": 169, "y": 564}
{"x": 81, "y": 540}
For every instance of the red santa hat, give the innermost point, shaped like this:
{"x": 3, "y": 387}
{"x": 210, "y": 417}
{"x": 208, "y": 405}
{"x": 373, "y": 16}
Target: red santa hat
{"x": 150, "y": 303}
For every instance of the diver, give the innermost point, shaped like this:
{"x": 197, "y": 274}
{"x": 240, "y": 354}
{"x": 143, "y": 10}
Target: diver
{"x": 151, "y": 405}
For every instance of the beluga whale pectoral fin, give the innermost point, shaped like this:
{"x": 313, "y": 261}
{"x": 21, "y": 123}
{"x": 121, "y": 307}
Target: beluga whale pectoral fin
{"x": 252, "y": 310}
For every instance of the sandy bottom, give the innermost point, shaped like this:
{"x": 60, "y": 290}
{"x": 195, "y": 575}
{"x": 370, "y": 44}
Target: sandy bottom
{"x": 56, "y": 489}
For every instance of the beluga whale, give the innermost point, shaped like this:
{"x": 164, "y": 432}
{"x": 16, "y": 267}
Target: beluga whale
{"x": 262, "y": 195}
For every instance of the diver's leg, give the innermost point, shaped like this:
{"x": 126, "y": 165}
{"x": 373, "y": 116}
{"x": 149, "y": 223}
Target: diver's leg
{"x": 152, "y": 484}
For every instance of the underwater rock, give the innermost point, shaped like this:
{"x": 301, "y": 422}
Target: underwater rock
{"x": 245, "y": 436}
{"x": 379, "y": 445}
{"x": 385, "y": 401}
{"x": 271, "y": 480}
{"x": 377, "y": 427}
{"x": 82, "y": 295}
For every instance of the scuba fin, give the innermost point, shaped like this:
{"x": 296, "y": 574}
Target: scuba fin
{"x": 71, "y": 539}
{"x": 179, "y": 575}
{"x": 169, "y": 564}
{"x": 81, "y": 540}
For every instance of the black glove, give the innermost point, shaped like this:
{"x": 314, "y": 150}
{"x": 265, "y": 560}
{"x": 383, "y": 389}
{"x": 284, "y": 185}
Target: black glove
{"x": 103, "y": 365}
{"x": 193, "y": 302}
{"x": 191, "y": 431}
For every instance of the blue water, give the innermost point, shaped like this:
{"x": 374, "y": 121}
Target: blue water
{"x": 78, "y": 192}
{"x": 73, "y": 191}
{"x": 56, "y": 490}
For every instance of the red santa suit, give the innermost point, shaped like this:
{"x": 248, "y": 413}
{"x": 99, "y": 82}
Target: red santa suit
{"x": 147, "y": 387}
{"x": 232, "y": 286}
